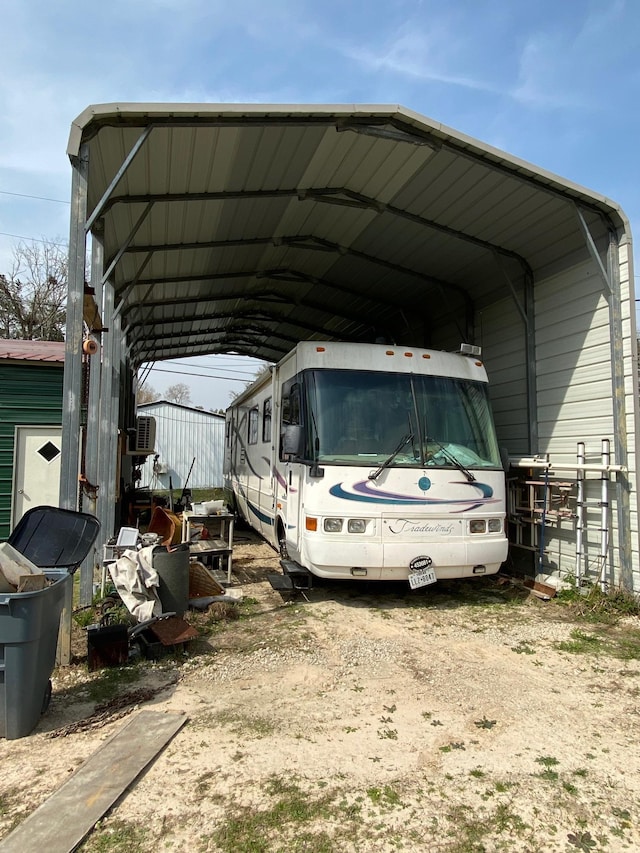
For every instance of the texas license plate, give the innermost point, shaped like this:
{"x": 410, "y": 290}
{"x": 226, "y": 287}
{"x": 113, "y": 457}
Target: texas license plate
{"x": 423, "y": 577}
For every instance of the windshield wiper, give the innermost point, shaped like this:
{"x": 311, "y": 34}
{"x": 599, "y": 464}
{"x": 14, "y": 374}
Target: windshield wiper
{"x": 452, "y": 459}
{"x": 405, "y": 440}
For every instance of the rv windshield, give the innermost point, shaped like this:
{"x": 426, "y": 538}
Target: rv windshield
{"x": 361, "y": 418}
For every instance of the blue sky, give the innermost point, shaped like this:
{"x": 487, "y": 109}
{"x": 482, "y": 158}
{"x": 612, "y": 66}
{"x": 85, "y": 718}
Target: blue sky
{"x": 555, "y": 83}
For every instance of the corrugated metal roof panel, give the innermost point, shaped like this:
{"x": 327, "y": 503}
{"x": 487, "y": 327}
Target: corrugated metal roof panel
{"x": 19, "y": 350}
{"x": 271, "y": 211}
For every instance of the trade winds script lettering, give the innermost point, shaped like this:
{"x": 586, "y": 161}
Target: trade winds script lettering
{"x": 437, "y": 528}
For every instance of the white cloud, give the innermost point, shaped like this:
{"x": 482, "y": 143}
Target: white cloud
{"x": 566, "y": 67}
{"x": 435, "y": 53}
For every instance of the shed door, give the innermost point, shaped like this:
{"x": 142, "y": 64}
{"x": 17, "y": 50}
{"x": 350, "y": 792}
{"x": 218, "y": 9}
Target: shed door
{"x": 36, "y": 474}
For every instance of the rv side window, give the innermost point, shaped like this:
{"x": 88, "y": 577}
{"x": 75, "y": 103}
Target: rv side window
{"x": 291, "y": 434}
{"x": 291, "y": 405}
{"x": 253, "y": 426}
{"x": 266, "y": 420}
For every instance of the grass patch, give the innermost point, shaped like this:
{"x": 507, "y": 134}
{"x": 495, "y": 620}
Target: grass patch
{"x": 387, "y": 797}
{"x": 284, "y": 825}
{"x": 595, "y": 605}
{"x": 623, "y": 644}
{"x": 471, "y": 833}
{"x": 243, "y": 724}
{"x": 110, "y": 681}
{"x": 116, "y": 836}
{"x": 523, "y": 649}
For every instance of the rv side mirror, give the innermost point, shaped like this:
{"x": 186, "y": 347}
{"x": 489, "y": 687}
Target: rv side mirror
{"x": 504, "y": 458}
{"x": 292, "y": 440}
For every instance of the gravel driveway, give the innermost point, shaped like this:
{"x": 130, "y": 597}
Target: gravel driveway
{"x": 464, "y": 717}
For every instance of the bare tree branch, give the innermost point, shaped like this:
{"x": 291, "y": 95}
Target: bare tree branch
{"x": 33, "y": 294}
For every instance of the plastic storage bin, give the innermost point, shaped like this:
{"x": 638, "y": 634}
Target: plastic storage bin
{"x": 56, "y": 540}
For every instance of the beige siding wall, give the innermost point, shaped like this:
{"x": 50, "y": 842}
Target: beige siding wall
{"x": 575, "y": 403}
{"x": 502, "y": 335}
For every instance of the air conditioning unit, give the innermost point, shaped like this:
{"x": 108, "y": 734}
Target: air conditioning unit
{"x": 141, "y": 441}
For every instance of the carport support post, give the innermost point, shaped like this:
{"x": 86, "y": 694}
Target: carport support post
{"x": 611, "y": 280}
{"x": 72, "y": 381}
{"x": 619, "y": 410}
{"x": 92, "y": 447}
{"x": 107, "y": 459}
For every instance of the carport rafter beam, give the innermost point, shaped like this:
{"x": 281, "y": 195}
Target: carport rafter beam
{"x": 593, "y": 251}
{"x": 134, "y": 281}
{"x": 227, "y": 342}
{"x": 209, "y": 333}
{"x": 313, "y": 243}
{"x": 268, "y": 317}
{"x": 330, "y": 195}
{"x": 362, "y": 320}
{"x": 437, "y": 138}
{"x": 292, "y": 275}
{"x": 283, "y": 274}
{"x": 113, "y": 264}
{"x": 319, "y": 244}
{"x": 288, "y": 275}
{"x": 247, "y": 333}
{"x": 388, "y": 128}
{"x": 102, "y": 205}
{"x": 269, "y": 296}
{"x": 492, "y": 159}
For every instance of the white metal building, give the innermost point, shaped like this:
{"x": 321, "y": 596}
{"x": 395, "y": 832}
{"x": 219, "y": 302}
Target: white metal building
{"x": 245, "y": 228}
{"x": 189, "y": 443}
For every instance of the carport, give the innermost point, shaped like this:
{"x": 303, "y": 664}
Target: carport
{"x": 246, "y": 228}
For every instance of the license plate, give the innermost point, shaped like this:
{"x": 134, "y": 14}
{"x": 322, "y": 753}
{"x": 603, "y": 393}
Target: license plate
{"x": 423, "y": 577}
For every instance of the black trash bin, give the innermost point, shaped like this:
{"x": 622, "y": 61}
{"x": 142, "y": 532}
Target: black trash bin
{"x": 57, "y": 541}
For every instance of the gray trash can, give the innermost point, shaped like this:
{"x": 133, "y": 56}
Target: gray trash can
{"x": 57, "y": 541}
{"x": 29, "y": 624}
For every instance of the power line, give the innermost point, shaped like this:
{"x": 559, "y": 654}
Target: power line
{"x": 36, "y": 197}
{"x": 33, "y": 239}
{"x": 241, "y": 373}
{"x": 187, "y": 373}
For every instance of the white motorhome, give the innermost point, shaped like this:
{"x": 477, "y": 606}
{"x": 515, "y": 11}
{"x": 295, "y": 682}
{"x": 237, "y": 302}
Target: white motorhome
{"x": 371, "y": 461}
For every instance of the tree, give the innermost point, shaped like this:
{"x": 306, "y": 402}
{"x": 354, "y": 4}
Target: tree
{"x": 33, "y": 295}
{"x": 261, "y": 373}
{"x": 178, "y": 393}
{"x": 146, "y": 394}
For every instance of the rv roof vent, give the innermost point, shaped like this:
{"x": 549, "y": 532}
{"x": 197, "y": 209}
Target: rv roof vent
{"x": 470, "y": 349}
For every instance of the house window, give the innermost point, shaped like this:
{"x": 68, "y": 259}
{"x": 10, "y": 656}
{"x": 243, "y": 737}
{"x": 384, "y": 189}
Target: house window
{"x": 253, "y": 426}
{"x": 266, "y": 420}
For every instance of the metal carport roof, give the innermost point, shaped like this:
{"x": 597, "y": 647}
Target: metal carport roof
{"x": 247, "y": 228}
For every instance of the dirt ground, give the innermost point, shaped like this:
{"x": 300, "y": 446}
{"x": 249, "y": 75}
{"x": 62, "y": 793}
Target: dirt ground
{"x": 460, "y": 718}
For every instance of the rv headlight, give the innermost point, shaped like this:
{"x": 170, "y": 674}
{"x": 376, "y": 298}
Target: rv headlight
{"x": 332, "y": 525}
{"x": 357, "y": 525}
{"x": 495, "y": 525}
{"x": 477, "y": 525}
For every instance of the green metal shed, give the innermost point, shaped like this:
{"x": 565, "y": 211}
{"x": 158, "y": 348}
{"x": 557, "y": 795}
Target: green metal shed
{"x": 30, "y": 396}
